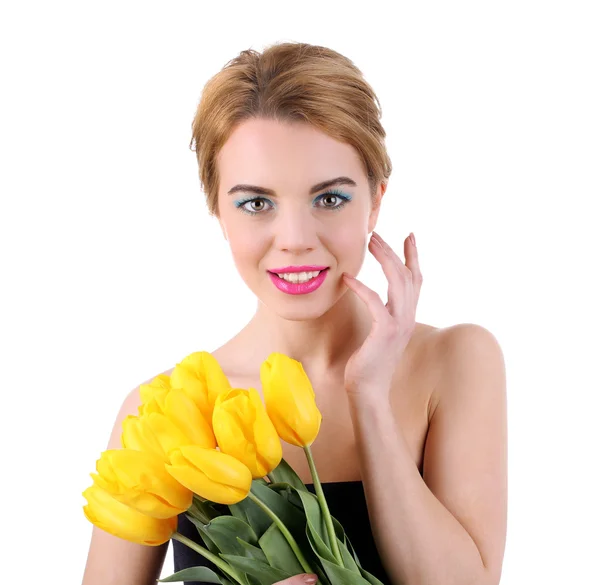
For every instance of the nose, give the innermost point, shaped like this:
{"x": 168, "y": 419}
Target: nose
{"x": 295, "y": 231}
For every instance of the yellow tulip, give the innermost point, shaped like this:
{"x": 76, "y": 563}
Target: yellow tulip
{"x": 184, "y": 412}
{"x": 244, "y": 430}
{"x": 202, "y": 379}
{"x": 211, "y": 474}
{"x": 170, "y": 419}
{"x": 120, "y": 520}
{"x": 159, "y": 384}
{"x": 153, "y": 400}
{"x": 139, "y": 480}
{"x": 290, "y": 400}
{"x": 153, "y": 433}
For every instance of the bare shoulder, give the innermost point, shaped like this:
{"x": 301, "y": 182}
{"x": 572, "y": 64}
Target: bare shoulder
{"x": 458, "y": 345}
{"x": 137, "y": 564}
{"x": 465, "y": 456}
{"x": 130, "y": 406}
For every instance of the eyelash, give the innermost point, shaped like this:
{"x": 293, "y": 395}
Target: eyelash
{"x": 344, "y": 199}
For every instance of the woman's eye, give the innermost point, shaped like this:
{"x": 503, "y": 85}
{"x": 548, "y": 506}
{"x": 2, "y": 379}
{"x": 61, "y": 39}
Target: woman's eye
{"x": 339, "y": 200}
{"x": 330, "y": 197}
{"x": 333, "y": 201}
{"x": 255, "y": 205}
{"x": 252, "y": 206}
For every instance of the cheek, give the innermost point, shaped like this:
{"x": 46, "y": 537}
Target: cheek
{"x": 247, "y": 249}
{"x": 348, "y": 244}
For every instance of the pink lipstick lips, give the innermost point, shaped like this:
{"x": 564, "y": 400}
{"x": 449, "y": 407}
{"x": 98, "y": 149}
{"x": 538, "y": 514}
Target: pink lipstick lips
{"x": 303, "y": 268}
{"x": 300, "y": 288}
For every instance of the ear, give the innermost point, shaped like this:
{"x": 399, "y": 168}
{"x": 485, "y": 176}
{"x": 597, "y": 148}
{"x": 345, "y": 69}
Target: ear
{"x": 376, "y": 206}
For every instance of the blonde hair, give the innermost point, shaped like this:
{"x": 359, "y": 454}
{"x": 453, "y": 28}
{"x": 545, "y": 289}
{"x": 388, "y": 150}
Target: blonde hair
{"x": 289, "y": 82}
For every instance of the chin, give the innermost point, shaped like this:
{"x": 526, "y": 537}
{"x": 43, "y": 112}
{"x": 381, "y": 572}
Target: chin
{"x": 298, "y": 314}
{"x": 302, "y": 307}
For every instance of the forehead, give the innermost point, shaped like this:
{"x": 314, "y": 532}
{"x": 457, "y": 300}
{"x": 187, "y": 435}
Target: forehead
{"x": 261, "y": 150}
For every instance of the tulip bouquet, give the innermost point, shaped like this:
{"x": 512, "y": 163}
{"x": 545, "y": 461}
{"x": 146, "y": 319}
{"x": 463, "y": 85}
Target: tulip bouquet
{"x": 202, "y": 448}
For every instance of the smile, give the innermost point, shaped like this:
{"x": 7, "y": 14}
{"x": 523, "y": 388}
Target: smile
{"x": 299, "y": 283}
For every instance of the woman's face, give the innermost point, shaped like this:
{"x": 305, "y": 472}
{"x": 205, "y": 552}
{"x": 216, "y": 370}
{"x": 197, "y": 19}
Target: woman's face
{"x": 286, "y": 219}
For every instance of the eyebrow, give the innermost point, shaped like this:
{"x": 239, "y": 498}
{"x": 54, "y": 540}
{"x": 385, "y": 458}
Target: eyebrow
{"x": 314, "y": 189}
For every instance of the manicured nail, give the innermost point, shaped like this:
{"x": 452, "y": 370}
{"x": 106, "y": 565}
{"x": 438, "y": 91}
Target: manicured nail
{"x": 309, "y": 579}
{"x": 412, "y": 239}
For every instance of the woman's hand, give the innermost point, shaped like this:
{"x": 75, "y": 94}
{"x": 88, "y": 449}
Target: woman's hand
{"x": 371, "y": 367}
{"x": 302, "y": 579}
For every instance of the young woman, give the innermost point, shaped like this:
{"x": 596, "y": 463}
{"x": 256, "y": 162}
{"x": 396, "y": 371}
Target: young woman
{"x": 413, "y": 443}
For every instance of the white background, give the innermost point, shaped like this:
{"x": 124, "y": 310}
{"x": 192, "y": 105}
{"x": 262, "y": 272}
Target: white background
{"x": 110, "y": 260}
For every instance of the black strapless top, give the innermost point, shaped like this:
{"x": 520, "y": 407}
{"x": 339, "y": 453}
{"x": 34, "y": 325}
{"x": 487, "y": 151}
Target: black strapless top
{"x": 347, "y": 503}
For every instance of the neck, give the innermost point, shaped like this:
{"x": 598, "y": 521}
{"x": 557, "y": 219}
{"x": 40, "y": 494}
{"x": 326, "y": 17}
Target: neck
{"x": 322, "y": 344}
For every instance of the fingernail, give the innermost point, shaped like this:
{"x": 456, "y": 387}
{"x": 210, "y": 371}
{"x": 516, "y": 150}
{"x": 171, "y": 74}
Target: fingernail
{"x": 309, "y": 579}
{"x": 412, "y": 239}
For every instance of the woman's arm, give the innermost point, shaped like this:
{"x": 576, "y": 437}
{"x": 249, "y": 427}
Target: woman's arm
{"x": 449, "y": 527}
{"x": 112, "y": 560}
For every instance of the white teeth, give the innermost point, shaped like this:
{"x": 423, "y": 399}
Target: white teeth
{"x": 298, "y": 277}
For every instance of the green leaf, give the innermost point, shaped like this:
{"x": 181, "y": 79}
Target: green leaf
{"x": 352, "y": 563}
{"x": 224, "y": 530}
{"x": 317, "y": 544}
{"x": 318, "y": 537}
{"x": 292, "y": 517}
{"x": 196, "y": 574}
{"x": 208, "y": 542}
{"x": 314, "y": 517}
{"x": 351, "y": 548}
{"x": 339, "y": 529}
{"x": 252, "y": 552}
{"x": 266, "y": 574}
{"x": 347, "y": 558}
{"x": 249, "y": 512}
{"x": 206, "y": 508}
{"x": 288, "y": 492}
{"x": 239, "y": 512}
{"x": 278, "y": 552}
{"x": 370, "y": 578}
{"x": 342, "y": 576}
{"x": 284, "y": 473}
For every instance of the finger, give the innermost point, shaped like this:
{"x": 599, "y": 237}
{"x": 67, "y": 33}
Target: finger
{"x": 398, "y": 278}
{"x": 412, "y": 262}
{"x": 302, "y": 579}
{"x": 372, "y": 300}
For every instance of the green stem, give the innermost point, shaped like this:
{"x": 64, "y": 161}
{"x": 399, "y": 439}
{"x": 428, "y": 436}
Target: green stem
{"x": 208, "y": 555}
{"x": 286, "y": 533}
{"x": 324, "y": 508}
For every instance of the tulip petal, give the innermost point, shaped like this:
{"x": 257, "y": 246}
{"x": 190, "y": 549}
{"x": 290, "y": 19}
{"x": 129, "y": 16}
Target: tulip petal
{"x": 155, "y": 389}
{"x": 290, "y": 399}
{"x": 244, "y": 430}
{"x": 182, "y": 410}
{"x": 211, "y": 474}
{"x": 201, "y": 377}
{"x": 120, "y": 520}
{"x": 270, "y": 453}
{"x": 141, "y": 481}
{"x": 185, "y": 378}
{"x": 167, "y": 433}
{"x": 136, "y": 435}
